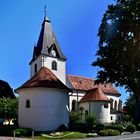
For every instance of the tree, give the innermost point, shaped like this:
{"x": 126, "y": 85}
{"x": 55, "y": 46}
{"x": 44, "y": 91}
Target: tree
{"x": 6, "y": 90}
{"x": 130, "y": 105}
{"x": 119, "y": 48}
{"x": 8, "y": 108}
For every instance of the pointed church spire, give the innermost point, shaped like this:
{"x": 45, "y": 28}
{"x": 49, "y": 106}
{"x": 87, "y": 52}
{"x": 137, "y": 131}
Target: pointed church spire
{"x": 47, "y": 43}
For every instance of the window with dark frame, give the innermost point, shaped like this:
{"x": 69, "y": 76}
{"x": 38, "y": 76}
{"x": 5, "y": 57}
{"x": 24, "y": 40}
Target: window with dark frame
{"x": 115, "y": 105}
{"x": 111, "y": 103}
{"x": 35, "y": 68}
{"x": 27, "y": 104}
{"x": 54, "y": 65}
{"x": 105, "y": 105}
{"x": 74, "y": 105}
{"x": 86, "y": 113}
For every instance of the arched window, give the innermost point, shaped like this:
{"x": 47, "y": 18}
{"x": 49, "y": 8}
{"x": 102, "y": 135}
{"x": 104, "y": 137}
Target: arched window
{"x": 73, "y": 105}
{"x": 111, "y": 103}
{"x": 35, "y": 68}
{"x": 54, "y": 65}
{"x": 106, "y": 105}
{"x": 115, "y": 105}
{"x": 81, "y": 110}
{"x": 86, "y": 113}
{"x": 27, "y": 104}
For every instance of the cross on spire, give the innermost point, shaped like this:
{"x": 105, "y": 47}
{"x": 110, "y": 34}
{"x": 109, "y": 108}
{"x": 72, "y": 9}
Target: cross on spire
{"x": 45, "y": 10}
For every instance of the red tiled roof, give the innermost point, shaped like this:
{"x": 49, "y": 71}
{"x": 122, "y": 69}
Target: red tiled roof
{"x": 94, "y": 95}
{"x": 83, "y": 83}
{"x": 44, "y": 78}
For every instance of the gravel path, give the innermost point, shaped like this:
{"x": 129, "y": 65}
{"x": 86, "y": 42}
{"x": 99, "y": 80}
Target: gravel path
{"x": 11, "y": 138}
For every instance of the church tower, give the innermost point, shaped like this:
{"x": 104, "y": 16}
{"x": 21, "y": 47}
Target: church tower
{"x": 47, "y": 53}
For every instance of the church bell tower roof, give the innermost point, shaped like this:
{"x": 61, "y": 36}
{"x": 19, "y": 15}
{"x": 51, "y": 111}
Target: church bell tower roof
{"x": 47, "y": 41}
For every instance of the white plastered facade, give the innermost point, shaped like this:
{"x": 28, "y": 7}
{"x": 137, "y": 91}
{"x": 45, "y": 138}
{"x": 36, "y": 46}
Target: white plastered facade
{"x": 103, "y": 115}
{"x": 48, "y": 108}
{"x": 47, "y": 62}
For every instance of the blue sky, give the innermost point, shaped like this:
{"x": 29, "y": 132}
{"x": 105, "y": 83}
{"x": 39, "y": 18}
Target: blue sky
{"x": 75, "y": 23}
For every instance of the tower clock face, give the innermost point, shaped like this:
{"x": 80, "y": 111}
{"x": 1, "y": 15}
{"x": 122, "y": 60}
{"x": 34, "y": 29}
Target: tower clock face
{"x": 53, "y": 53}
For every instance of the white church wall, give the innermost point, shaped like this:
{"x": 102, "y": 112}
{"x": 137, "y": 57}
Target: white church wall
{"x": 85, "y": 106}
{"x": 97, "y": 108}
{"x": 47, "y": 62}
{"x": 61, "y": 68}
{"x": 115, "y": 98}
{"x": 32, "y": 66}
{"x": 116, "y": 117}
{"x": 75, "y": 96}
{"x": 113, "y": 118}
{"x": 101, "y": 112}
{"x": 104, "y": 114}
{"x": 48, "y": 108}
{"x": 85, "y": 112}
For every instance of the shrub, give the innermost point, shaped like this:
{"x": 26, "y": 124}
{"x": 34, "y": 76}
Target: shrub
{"x": 99, "y": 127}
{"x": 74, "y": 117}
{"x": 118, "y": 127}
{"x": 6, "y": 130}
{"x": 90, "y": 120}
{"x": 75, "y": 124}
{"x": 62, "y": 127}
{"x": 20, "y": 132}
{"x": 125, "y": 124}
{"x": 110, "y": 126}
{"x": 131, "y": 128}
{"x": 138, "y": 127}
{"x": 127, "y": 118}
{"x": 79, "y": 126}
{"x": 108, "y": 132}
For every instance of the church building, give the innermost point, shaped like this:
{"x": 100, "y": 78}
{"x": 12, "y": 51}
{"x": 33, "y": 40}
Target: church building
{"x": 50, "y": 94}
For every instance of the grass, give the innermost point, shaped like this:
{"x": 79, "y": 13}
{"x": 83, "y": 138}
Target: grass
{"x": 66, "y": 135}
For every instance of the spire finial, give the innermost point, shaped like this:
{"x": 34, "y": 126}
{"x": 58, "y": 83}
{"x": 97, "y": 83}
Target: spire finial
{"x": 45, "y": 16}
{"x": 45, "y": 10}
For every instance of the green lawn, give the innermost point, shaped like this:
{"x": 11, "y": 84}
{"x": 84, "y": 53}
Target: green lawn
{"x": 66, "y": 135}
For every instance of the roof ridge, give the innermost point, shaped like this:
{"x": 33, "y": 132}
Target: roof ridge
{"x": 84, "y": 83}
{"x": 95, "y": 94}
{"x": 81, "y": 76}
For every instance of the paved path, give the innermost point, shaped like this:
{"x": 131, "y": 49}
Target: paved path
{"x": 123, "y": 137}
{"x": 12, "y": 138}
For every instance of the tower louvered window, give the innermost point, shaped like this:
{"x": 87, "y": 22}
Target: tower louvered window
{"x": 54, "y": 65}
{"x": 35, "y": 68}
